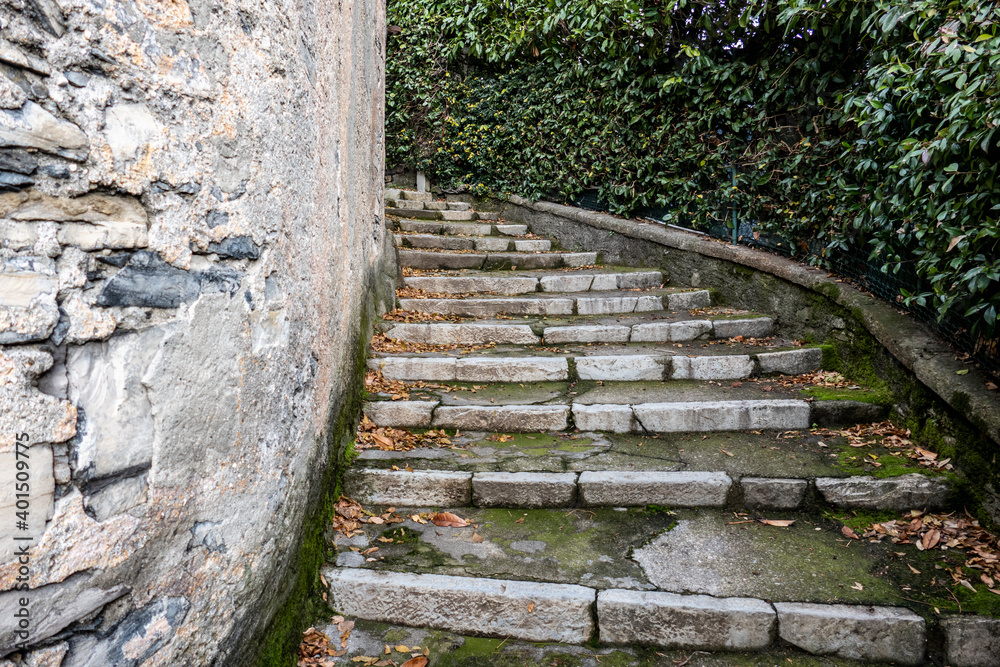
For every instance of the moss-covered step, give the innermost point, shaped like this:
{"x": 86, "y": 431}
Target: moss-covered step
{"x": 635, "y": 488}
{"x": 442, "y": 648}
{"x": 595, "y": 303}
{"x": 524, "y": 282}
{"x": 629, "y": 365}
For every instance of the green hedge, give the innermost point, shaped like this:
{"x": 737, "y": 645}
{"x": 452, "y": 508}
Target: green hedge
{"x": 848, "y": 123}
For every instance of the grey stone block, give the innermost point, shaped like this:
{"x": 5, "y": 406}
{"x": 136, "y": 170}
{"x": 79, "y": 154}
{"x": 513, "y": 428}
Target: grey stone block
{"x": 458, "y": 215}
{"x": 416, "y": 368}
{"x": 692, "y": 622}
{"x": 393, "y": 193}
{"x": 413, "y": 195}
{"x": 490, "y": 607}
{"x": 427, "y": 259}
{"x": 723, "y": 416}
{"x": 791, "y": 362}
{"x": 605, "y": 305}
{"x": 972, "y": 642}
{"x": 511, "y": 369}
{"x": 512, "y": 418}
{"x": 648, "y": 303}
{"x": 674, "y": 489}
{"x": 688, "y": 300}
{"x": 722, "y": 367}
{"x": 846, "y": 413}
{"x": 567, "y": 283}
{"x": 459, "y": 206}
{"x": 757, "y": 327}
{"x": 914, "y": 491}
{"x": 875, "y": 634}
{"x": 604, "y": 282}
{"x": 523, "y": 489}
{"x": 492, "y": 244}
{"x": 512, "y": 230}
{"x": 464, "y": 334}
{"x": 402, "y": 488}
{"x": 399, "y": 414}
{"x": 466, "y": 229}
{"x": 419, "y": 227}
{"x": 437, "y": 206}
{"x": 670, "y": 332}
{"x": 579, "y": 258}
{"x": 613, "y": 418}
{"x": 414, "y": 205}
{"x": 626, "y": 367}
{"x": 532, "y": 245}
{"x": 638, "y": 279}
{"x": 487, "y": 215}
{"x": 773, "y": 494}
{"x": 587, "y": 334}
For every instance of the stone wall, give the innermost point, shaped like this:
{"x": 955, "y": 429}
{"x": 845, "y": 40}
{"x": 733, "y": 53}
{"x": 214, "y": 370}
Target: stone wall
{"x": 191, "y": 245}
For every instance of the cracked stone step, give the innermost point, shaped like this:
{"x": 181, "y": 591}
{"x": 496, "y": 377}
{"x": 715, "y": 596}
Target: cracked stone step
{"x": 525, "y": 284}
{"x": 430, "y": 259}
{"x": 619, "y": 367}
{"x": 905, "y": 492}
{"x": 441, "y": 333}
{"x": 871, "y": 634}
{"x": 511, "y": 418}
{"x": 417, "y": 488}
{"x": 555, "y": 305}
{"x": 638, "y": 489}
{"x": 539, "y": 612}
{"x": 694, "y": 622}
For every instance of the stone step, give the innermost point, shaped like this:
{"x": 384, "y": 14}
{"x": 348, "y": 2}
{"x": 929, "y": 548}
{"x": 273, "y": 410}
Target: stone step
{"x": 443, "y": 333}
{"x": 596, "y": 304}
{"x": 631, "y": 488}
{"x": 621, "y": 367}
{"x": 426, "y": 214}
{"x": 429, "y": 259}
{"x": 525, "y": 284}
{"x": 773, "y": 473}
{"x": 462, "y": 228}
{"x": 704, "y": 581}
{"x": 660, "y": 417}
{"x": 483, "y": 243}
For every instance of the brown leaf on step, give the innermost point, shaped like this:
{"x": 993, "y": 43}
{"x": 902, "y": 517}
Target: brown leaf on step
{"x": 857, "y": 586}
{"x": 377, "y": 520}
{"x": 402, "y": 648}
{"x": 992, "y": 386}
{"x": 913, "y": 569}
{"x": 848, "y": 532}
{"x": 726, "y": 453}
{"x": 994, "y": 591}
{"x": 521, "y": 520}
{"x": 778, "y": 523}
{"x": 419, "y": 661}
{"x": 931, "y": 538}
{"x": 387, "y": 649}
{"x": 448, "y": 520}
{"x": 477, "y": 538}
{"x": 531, "y": 607}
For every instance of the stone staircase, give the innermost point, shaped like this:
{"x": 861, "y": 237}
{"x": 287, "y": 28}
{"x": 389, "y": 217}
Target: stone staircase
{"x": 629, "y": 474}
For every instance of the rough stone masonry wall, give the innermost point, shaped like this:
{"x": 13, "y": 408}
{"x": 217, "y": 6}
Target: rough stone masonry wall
{"x": 190, "y": 242}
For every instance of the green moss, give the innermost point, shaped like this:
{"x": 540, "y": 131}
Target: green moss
{"x": 880, "y": 396}
{"x": 859, "y": 520}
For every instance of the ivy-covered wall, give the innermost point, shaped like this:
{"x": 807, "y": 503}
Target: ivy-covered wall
{"x": 863, "y": 124}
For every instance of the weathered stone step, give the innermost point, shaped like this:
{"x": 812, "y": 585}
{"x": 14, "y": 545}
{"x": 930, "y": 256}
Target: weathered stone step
{"x": 430, "y": 259}
{"x": 629, "y": 488}
{"x": 449, "y": 649}
{"x": 673, "y": 417}
{"x": 480, "y": 333}
{"x": 410, "y": 204}
{"x": 407, "y": 195}
{"x": 704, "y": 582}
{"x": 480, "y": 243}
{"x": 462, "y": 229}
{"x": 425, "y": 214}
{"x": 619, "y": 367}
{"x": 593, "y": 304}
{"x": 526, "y": 283}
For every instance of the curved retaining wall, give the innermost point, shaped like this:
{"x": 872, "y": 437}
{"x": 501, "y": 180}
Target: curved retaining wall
{"x": 955, "y": 411}
{"x": 191, "y": 249}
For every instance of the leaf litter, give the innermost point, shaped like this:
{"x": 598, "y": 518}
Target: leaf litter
{"x": 388, "y": 439}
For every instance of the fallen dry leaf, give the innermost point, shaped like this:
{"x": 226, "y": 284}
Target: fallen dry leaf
{"x": 857, "y": 586}
{"x": 448, "y": 520}
{"x": 848, "y": 532}
{"x": 779, "y": 523}
{"x": 419, "y": 661}
{"x": 477, "y": 538}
